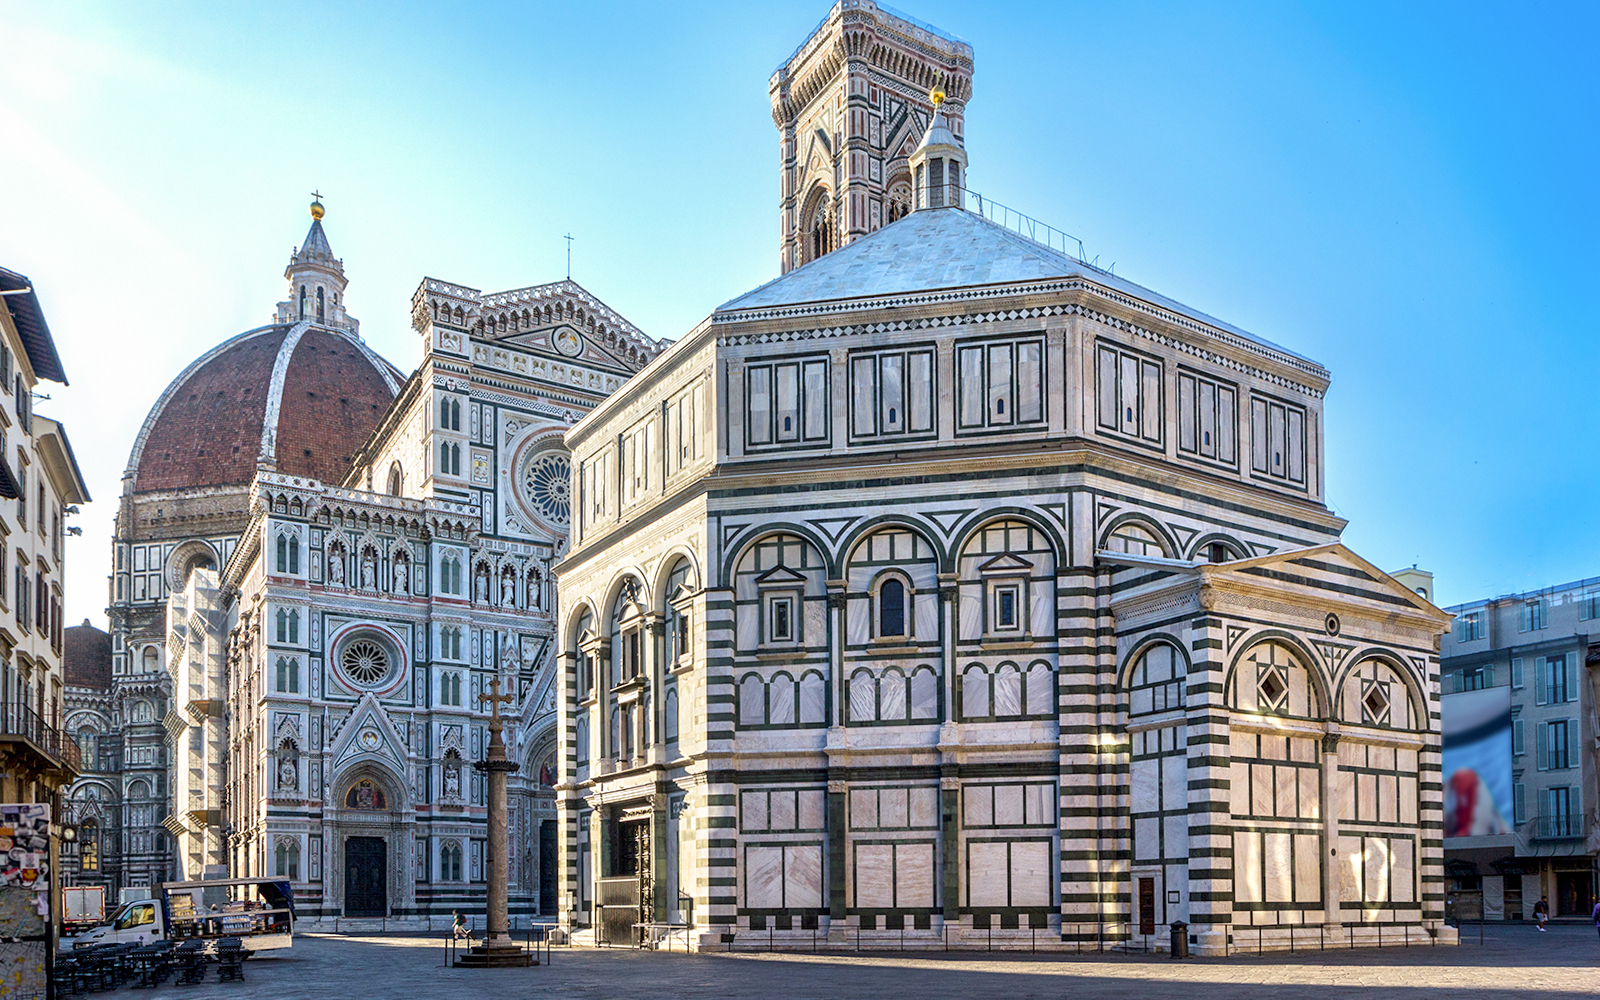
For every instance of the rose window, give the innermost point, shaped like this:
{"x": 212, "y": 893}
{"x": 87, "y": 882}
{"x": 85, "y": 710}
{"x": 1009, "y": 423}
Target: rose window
{"x": 365, "y": 662}
{"x": 547, "y": 486}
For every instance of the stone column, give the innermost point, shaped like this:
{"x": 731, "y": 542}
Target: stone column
{"x": 1331, "y": 917}
{"x": 496, "y": 766}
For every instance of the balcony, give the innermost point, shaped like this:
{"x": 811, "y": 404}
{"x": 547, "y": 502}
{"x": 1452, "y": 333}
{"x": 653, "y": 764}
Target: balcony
{"x": 1558, "y": 826}
{"x": 39, "y": 747}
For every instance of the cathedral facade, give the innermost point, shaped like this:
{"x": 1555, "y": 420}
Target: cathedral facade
{"x": 949, "y": 588}
{"x": 321, "y": 565}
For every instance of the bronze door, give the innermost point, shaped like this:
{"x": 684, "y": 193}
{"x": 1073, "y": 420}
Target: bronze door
{"x": 1147, "y": 906}
{"x": 365, "y": 877}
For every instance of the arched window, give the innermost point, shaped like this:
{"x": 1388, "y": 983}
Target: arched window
{"x": 455, "y": 414}
{"x": 450, "y": 862}
{"x": 444, "y": 458}
{"x": 287, "y": 858}
{"x": 294, "y": 626}
{"x": 444, "y": 413}
{"x": 89, "y": 846}
{"x": 283, "y": 625}
{"x": 283, "y": 554}
{"x": 288, "y": 675}
{"x": 396, "y": 480}
{"x": 302, "y": 302}
{"x": 294, "y": 555}
{"x": 86, "y": 747}
{"x": 892, "y": 607}
{"x": 152, "y": 660}
{"x": 1272, "y": 681}
{"x": 320, "y": 316}
{"x": 140, "y": 711}
{"x": 1156, "y": 683}
{"x": 752, "y": 701}
{"x": 1134, "y": 539}
{"x": 455, "y": 460}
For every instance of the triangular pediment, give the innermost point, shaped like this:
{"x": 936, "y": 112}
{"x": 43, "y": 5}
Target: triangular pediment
{"x": 1335, "y": 568}
{"x": 778, "y": 576}
{"x": 368, "y": 734}
{"x": 1006, "y": 562}
{"x": 534, "y": 317}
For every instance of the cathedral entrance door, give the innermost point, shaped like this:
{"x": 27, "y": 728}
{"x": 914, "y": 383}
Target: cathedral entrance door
{"x": 366, "y": 872}
{"x": 547, "y": 868}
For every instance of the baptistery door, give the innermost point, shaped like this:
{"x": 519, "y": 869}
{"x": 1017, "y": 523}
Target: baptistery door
{"x": 365, "y": 877}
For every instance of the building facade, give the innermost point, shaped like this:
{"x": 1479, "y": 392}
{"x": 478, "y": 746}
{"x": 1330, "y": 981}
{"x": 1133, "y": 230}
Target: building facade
{"x": 1538, "y": 647}
{"x": 40, "y": 487}
{"x": 850, "y": 105}
{"x": 951, "y": 588}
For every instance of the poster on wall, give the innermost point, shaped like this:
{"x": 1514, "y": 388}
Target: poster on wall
{"x": 1477, "y": 762}
{"x": 25, "y": 845}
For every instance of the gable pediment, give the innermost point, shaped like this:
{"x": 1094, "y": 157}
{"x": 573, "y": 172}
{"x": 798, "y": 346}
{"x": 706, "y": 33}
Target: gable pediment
{"x": 1005, "y": 564}
{"x": 368, "y": 734}
{"x": 780, "y": 576}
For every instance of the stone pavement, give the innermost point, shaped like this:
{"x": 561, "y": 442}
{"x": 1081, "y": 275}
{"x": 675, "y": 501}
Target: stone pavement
{"x": 1514, "y": 961}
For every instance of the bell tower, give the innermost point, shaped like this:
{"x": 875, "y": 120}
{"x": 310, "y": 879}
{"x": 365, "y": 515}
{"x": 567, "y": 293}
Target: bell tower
{"x": 851, "y": 106}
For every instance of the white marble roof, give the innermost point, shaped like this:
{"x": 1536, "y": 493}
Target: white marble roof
{"x": 945, "y": 248}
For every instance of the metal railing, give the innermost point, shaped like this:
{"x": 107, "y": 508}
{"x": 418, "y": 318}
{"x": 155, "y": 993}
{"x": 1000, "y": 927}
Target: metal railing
{"x": 22, "y": 721}
{"x": 947, "y": 195}
{"x": 1560, "y": 826}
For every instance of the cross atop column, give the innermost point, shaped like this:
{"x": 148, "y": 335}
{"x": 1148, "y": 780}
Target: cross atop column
{"x": 494, "y": 698}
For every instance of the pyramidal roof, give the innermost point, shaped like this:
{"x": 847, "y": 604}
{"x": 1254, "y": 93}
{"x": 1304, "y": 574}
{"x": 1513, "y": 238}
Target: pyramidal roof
{"x": 945, "y": 248}
{"x": 316, "y": 245}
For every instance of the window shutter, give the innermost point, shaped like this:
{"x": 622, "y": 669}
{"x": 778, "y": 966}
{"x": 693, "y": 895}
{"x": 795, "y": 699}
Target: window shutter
{"x": 1455, "y": 681}
{"x": 1573, "y": 674}
{"x": 1516, "y": 672}
{"x": 1541, "y": 681}
{"x": 1519, "y": 803}
{"x": 1519, "y": 738}
{"x": 1544, "y": 802}
{"x": 1542, "y": 737}
{"x": 1574, "y": 750}
{"x": 1488, "y": 675}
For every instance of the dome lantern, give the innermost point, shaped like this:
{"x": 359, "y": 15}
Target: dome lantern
{"x": 939, "y": 163}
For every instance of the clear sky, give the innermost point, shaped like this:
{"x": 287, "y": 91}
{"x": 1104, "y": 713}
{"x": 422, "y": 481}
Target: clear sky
{"x": 1404, "y": 192}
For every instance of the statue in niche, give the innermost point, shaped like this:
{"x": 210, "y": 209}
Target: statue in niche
{"x": 508, "y": 589}
{"x": 402, "y": 575}
{"x": 480, "y": 585}
{"x": 452, "y": 781}
{"x": 336, "y": 566}
{"x": 369, "y": 570}
{"x": 288, "y": 775}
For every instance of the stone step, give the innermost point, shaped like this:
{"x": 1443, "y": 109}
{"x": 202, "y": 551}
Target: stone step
{"x": 495, "y": 958}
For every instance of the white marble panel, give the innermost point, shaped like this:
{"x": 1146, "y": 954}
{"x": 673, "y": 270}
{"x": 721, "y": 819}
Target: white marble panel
{"x": 924, "y": 805}
{"x": 1375, "y": 885}
{"x": 1261, "y": 789}
{"x": 1278, "y": 878}
{"x": 1287, "y": 786}
{"x": 892, "y": 808}
{"x": 1402, "y": 874}
{"x": 780, "y": 701}
{"x": 1407, "y": 795}
{"x": 1388, "y": 798}
{"x": 1307, "y": 870}
{"x": 1008, "y": 805}
{"x": 978, "y": 803}
{"x": 863, "y": 696}
{"x": 1344, "y": 793}
{"x": 892, "y": 696}
{"x": 1350, "y": 863}
{"x": 863, "y": 808}
{"x": 1007, "y": 691}
{"x": 1274, "y": 747}
{"x": 975, "y": 692}
{"x": 924, "y": 695}
{"x": 803, "y": 876}
{"x": 971, "y": 614}
{"x": 1042, "y": 597}
{"x": 1031, "y": 873}
{"x": 763, "y": 877}
{"x": 1177, "y": 833}
{"x": 1246, "y": 866}
{"x": 988, "y": 870}
{"x": 810, "y": 805}
{"x": 858, "y": 621}
{"x": 1381, "y": 758}
{"x": 1366, "y": 796}
{"x": 813, "y": 699}
{"x": 747, "y": 623}
{"x": 925, "y": 616}
{"x": 914, "y": 875}
{"x": 1039, "y": 805}
{"x": 815, "y": 621}
{"x": 1174, "y": 783}
{"x": 1242, "y": 744}
{"x": 782, "y": 808}
{"x": 875, "y": 875}
{"x": 1146, "y": 839}
{"x": 1144, "y": 778}
{"x": 1406, "y": 760}
{"x": 753, "y": 810}
{"x": 1310, "y": 792}
{"x": 1239, "y": 788}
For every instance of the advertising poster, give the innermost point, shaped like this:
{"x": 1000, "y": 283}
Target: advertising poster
{"x": 1477, "y": 762}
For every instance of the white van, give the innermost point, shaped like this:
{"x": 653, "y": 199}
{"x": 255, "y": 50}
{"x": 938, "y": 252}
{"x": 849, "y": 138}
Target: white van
{"x": 259, "y": 912}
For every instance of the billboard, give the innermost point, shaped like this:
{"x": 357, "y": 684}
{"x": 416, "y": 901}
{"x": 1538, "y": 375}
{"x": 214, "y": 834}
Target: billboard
{"x": 1477, "y": 762}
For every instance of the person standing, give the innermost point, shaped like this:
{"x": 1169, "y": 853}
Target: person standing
{"x": 1596, "y": 916}
{"x": 1541, "y": 912}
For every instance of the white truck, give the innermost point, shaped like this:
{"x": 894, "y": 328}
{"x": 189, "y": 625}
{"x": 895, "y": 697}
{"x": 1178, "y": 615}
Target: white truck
{"x": 259, "y": 912}
{"x": 83, "y": 905}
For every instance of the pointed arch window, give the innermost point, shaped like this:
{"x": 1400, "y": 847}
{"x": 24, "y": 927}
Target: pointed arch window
{"x": 286, "y": 857}
{"x": 288, "y": 675}
{"x": 302, "y": 302}
{"x": 283, "y": 625}
{"x": 320, "y": 301}
{"x": 294, "y": 626}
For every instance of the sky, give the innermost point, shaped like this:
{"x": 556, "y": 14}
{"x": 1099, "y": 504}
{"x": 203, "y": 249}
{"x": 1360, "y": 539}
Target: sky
{"x": 1406, "y": 193}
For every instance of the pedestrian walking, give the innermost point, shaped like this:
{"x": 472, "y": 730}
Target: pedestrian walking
{"x": 459, "y": 927}
{"x": 1541, "y": 912}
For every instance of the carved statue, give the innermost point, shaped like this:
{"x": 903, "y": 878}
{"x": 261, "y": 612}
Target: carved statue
{"x": 288, "y": 778}
{"x": 402, "y": 575}
{"x": 336, "y": 567}
{"x": 481, "y": 586}
{"x": 452, "y": 781}
{"x": 369, "y": 570}
{"x": 508, "y": 590}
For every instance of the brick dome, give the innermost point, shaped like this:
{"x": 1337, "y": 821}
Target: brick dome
{"x": 298, "y": 397}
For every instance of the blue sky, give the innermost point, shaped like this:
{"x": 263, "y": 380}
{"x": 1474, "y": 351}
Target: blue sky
{"x": 1404, "y": 192}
